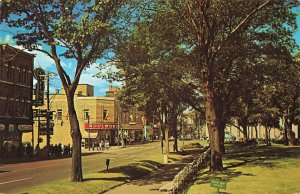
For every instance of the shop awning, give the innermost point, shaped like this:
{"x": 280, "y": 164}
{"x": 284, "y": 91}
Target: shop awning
{"x": 86, "y": 135}
{"x": 132, "y": 127}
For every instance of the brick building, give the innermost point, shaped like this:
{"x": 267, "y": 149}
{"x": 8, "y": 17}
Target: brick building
{"x": 97, "y": 116}
{"x": 16, "y": 85}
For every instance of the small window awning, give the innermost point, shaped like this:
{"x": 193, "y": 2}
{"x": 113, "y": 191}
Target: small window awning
{"x": 87, "y": 135}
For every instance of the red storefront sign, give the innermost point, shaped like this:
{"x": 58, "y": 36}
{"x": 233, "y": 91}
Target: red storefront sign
{"x": 99, "y": 126}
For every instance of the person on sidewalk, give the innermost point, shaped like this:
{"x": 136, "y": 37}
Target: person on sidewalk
{"x": 106, "y": 145}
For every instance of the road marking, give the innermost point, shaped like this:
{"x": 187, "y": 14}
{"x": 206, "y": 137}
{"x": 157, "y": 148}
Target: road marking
{"x": 15, "y": 180}
{"x": 40, "y": 167}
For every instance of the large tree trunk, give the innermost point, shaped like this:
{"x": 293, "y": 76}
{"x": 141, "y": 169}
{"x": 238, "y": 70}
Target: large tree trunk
{"x": 245, "y": 133}
{"x": 76, "y": 172}
{"x": 268, "y": 142}
{"x": 290, "y": 136}
{"x": 221, "y": 128}
{"x": 174, "y": 126}
{"x": 298, "y": 127}
{"x": 256, "y": 132}
{"x": 286, "y": 142}
{"x": 162, "y": 132}
{"x": 167, "y": 140}
{"x": 214, "y": 133}
{"x": 288, "y": 133}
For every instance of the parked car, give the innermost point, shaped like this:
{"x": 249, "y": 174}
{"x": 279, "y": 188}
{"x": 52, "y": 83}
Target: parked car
{"x": 229, "y": 137}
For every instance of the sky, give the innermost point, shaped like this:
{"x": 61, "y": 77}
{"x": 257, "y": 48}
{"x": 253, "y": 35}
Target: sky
{"x": 88, "y": 75}
{"x": 43, "y": 61}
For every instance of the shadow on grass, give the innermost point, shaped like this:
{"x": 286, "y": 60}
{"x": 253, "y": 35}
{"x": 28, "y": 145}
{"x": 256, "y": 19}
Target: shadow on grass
{"x": 144, "y": 172}
{"x": 226, "y": 175}
{"x": 263, "y": 156}
{"x": 167, "y": 173}
{"x": 130, "y": 172}
{"x": 118, "y": 179}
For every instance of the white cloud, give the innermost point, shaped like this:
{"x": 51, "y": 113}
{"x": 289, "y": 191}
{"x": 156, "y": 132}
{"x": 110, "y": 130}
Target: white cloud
{"x": 8, "y": 39}
{"x": 100, "y": 85}
{"x": 41, "y": 59}
{"x": 44, "y": 61}
{"x": 66, "y": 65}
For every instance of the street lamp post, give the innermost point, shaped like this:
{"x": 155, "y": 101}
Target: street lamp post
{"x": 118, "y": 116}
{"x": 48, "y": 115}
{"x": 88, "y": 117}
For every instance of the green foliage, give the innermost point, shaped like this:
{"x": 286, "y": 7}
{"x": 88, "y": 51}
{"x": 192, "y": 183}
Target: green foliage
{"x": 85, "y": 30}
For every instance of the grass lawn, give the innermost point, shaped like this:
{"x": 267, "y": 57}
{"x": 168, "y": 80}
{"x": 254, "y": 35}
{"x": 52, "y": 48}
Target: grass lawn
{"x": 101, "y": 181}
{"x": 255, "y": 170}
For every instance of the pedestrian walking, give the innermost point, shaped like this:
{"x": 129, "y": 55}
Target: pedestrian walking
{"x": 102, "y": 145}
{"x": 106, "y": 145}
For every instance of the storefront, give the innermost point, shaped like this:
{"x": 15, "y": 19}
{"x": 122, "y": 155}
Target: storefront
{"x": 97, "y": 132}
{"x": 11, "y": 138}
{"x": 133, "y": 132}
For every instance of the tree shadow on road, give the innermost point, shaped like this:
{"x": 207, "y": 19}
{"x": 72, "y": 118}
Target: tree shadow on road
{"x": 4, "y": 171}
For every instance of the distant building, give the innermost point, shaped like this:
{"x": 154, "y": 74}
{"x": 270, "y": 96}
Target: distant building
{"x": 16, "y": 85}
{"x": 97, "y": 116}
{"x": 112, "y": 91}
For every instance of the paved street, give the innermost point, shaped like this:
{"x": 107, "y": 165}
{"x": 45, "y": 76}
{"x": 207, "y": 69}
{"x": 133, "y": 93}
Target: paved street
{"x": 22, "y": 175}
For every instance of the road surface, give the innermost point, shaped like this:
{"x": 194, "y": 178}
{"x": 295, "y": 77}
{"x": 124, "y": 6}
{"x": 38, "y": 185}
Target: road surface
{"x": 22, "y": 175}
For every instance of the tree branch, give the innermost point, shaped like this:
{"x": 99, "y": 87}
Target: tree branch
{"x": 241, "y": 24}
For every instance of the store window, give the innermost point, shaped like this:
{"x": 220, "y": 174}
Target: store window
{"x": 59, "y": 114}
{"x": 86, "y": 114}
{"x": 105, "y": 114}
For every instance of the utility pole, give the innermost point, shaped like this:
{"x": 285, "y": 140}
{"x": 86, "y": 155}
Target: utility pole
{"x": 48, "y": 114}
{"x": 118, "y": 117}
{"x": 39, "y": 125}
{"x": 88, "y": 117}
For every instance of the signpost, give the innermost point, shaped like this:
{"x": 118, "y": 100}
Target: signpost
{"x": 219, "y": 184}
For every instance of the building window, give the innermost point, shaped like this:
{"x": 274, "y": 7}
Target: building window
{"x": 25, "y": 111}
{"x": 86, "y": 114}
{"x": 26, "y": 80}
{"x": 8, "y": 73}
{"x": 1, "y": 71}
{"x": 19, "y": 74}
{"x": 59, "y": 114}
{"x": 105, "y": 114}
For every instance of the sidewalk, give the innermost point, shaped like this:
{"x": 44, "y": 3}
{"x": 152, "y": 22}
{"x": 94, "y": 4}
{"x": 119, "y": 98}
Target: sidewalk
{"x": 150, "y": 184}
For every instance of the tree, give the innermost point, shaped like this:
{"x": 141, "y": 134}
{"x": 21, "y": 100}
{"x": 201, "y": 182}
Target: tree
{"x": 148, "y": 60}
{"x": 212, "y": 32}
{"x": 82, "y": 30}
{"x": 212, "y": 28}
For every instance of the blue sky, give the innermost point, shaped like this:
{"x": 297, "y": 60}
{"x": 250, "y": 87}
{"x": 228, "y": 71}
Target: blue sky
{"x": 87, "y": 77}
{"x": 45, "y": 62}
